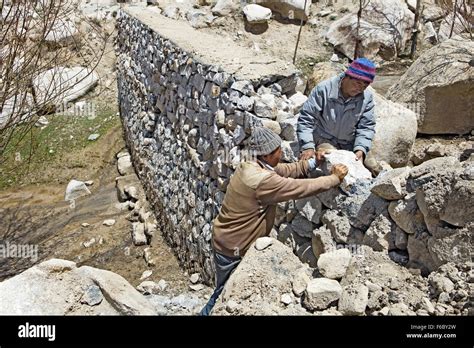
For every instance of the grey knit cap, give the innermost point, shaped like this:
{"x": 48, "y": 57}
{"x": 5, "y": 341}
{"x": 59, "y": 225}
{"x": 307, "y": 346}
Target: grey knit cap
{"x": 264, "y": 141}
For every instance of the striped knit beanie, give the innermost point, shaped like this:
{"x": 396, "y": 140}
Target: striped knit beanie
{"x": 263, "y": 141}
{"x": 362, "y": 69}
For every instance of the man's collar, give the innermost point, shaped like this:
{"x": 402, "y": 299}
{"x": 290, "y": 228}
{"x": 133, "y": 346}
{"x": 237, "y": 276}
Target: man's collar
{"x": 265, "y": 165}
{"x": 334, "y": 93}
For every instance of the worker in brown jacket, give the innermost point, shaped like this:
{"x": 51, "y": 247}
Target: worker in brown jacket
{"x": 249, "y": 206}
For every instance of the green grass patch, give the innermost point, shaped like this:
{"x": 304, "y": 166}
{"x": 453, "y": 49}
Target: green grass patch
{"x": 32, "y": 149}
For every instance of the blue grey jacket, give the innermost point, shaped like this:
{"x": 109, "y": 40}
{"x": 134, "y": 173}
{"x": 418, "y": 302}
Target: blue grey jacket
{"x": 327, "y": 118}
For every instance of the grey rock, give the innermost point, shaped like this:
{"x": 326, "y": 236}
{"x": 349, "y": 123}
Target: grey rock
{"x": 354, "y": 300}
{"x": 138, "y": 233}
{"x": 302, "y": 226}
{"x": 244, "y": 87}
{"x": 49, "y": 288}
{"x": 75, "y": 189}
{"x": 334, "y": 264}
{"x": 407, "y": 216}
{"x": 93, "y": 137}
{"x": 263, "y": 243}
{"x": 300, "y": 282}
{"x": 321, "y": 292}
{"x": 433, "y": 92}
{"x": 381, "y": 234}
{"x": 124, "y": 165}
{"x": 338, "y": 224}
{"x": 310, "y": 208}
{"x": 288, "y": 129}
{"x": 304, "y": 251}
{"x": 392, "y": 184}
{"x": 322, "y": 241}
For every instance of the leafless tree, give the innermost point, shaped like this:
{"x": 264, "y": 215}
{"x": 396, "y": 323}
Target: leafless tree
{"x": 39, "y": 36}
{"x": 357, "y": 50}
{"x": 460, "y": 13}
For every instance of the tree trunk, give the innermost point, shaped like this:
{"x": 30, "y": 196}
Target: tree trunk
{"x": 357, "y": 45}
{"x": 454, "y": 18}
{"x": 299, "y": 34}
{"x": 414, "y": 36}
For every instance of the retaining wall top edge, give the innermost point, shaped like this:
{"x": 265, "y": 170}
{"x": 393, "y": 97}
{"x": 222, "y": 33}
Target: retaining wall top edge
{"x": 242, "y": 62}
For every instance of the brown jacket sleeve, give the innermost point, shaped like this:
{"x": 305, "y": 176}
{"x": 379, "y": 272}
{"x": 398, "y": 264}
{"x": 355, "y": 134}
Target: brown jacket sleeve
{"x": 274, "y": 188}
{"x": 292, "y": 170}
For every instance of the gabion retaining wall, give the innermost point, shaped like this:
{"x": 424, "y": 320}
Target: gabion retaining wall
{"x": 186, "y": 123}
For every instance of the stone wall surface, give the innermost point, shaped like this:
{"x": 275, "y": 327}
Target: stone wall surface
{"x": 186, "y": 119}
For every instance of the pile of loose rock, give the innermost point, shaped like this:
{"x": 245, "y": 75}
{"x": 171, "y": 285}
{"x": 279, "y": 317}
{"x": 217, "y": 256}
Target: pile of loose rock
{"x": 272, "y": 281}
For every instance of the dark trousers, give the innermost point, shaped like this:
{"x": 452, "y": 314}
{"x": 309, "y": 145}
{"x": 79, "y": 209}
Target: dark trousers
{"x": 225, "y": 265}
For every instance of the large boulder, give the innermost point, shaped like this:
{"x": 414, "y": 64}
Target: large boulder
{"x": 61, "y": 85}
{"x": 440, "y": 83}
{"x": 395, "y": 132}
{"x": 257, "y": 285}
{"x": 447, "y": 28}
{"x": 59, "y": 287}
{"x": 385, "y": 28}
{"x": 61, "y": 32}
{"x": 437, "y": 214}
{"x": 292, "y": 9}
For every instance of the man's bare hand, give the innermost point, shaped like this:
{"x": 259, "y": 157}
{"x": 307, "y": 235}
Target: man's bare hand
{"x": 340, "y": 170}
{"x": 359, "y": 155}
{"x": 307, "y": 154}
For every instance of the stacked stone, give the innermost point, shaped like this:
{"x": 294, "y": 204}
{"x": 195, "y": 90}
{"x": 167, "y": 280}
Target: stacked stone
{"x": 420, "y": 216}
{"x": 186, "y": 125}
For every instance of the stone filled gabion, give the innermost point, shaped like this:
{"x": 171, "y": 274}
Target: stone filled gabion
{"x": 186, "y": 124}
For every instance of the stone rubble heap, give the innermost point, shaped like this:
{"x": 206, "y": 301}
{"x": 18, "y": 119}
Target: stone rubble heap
{"x": 272, "y": 281}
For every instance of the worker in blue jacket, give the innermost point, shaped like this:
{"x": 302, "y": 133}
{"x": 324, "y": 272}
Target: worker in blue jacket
{"x": 339, "y": 113}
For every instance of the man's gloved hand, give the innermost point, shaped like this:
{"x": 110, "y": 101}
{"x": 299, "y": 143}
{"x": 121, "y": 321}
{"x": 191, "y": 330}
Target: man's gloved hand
{"x": 307, "y": 154}
{"x": 340, "y": 170}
